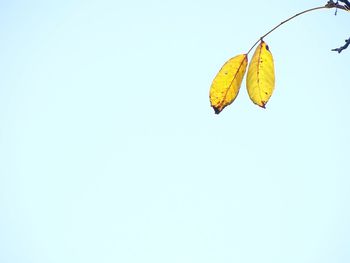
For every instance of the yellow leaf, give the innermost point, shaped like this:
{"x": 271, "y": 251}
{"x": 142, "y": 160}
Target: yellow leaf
{"x": 226, "y": 84}
{"x": 261, "y": 75}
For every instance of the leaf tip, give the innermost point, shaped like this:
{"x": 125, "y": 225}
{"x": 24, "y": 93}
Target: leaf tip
{"x": 216, "y": 110}
{"x": 263, "y": 104}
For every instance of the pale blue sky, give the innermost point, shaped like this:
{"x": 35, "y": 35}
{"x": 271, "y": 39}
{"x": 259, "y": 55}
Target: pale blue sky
{"x": 110, "y": 151}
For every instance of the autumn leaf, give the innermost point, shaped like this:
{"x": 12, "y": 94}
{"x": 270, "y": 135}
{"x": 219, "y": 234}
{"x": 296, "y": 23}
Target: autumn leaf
{"x": 261, "y": 75}
{"x": 226, "y": 84}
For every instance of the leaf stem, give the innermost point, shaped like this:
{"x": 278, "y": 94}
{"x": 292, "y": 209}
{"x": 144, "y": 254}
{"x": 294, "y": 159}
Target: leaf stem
{"x": 330, "y": 4}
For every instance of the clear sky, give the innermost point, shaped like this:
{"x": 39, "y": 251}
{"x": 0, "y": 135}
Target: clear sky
{"x": 110, "y": 152}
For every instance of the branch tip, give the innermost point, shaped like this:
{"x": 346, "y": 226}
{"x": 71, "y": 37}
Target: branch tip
{"x": 340, "y": 49}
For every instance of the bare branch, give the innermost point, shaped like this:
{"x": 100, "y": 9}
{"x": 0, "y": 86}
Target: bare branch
{"x": 346, "y": 2}
{"x": 330, "y": 4}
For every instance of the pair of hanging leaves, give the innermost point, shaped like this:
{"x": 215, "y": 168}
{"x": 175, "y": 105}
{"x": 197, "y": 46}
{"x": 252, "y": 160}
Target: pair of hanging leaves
{"x": 260, "y": 79}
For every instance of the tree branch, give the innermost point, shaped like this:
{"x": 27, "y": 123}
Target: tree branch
{"x": 346, "y": 2}
{"x": 346, "y": 7}
{"x": 340, "y": 49}
{"x": 332, "y": 4}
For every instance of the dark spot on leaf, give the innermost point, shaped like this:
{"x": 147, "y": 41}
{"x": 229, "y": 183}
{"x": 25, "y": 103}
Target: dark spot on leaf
{"x": 267, "y": 48}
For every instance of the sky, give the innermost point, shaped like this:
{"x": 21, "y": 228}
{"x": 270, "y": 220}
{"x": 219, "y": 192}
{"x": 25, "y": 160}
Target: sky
{"x": 110, "y": 151}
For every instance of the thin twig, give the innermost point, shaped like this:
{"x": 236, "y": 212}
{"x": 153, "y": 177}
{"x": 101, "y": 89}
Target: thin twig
{"x": 346, "y": 2}
{"x": 330, "y": 4}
